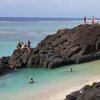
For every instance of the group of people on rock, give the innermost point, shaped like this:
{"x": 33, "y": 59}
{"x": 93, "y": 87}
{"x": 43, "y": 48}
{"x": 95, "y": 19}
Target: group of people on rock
{"x": 22, "y": 45}
{"x": 92, "y": 20}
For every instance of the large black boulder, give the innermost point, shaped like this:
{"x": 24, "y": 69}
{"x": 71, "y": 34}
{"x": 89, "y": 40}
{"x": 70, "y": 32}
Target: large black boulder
{"x": 4, "y": 66}
{"x": 77, "y": 45}
{"x": 86, "y": 93}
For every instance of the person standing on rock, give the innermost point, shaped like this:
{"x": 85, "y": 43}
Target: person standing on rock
{"x": 92, "y": 20}
{"x": 28, "y": 45}
{"x": 98, "y": 20}
{"x": 22, "y": 45}
{"x": 85, "y": 20}
{"x": 19, "y": 46}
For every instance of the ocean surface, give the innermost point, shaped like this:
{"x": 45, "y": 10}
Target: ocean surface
{"x": 13, "y": 30}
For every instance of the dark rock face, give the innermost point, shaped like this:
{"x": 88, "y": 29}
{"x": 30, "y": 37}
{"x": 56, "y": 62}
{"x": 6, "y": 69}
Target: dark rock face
{"x": 67, "y": 46}
{"x": 4, "y": 66}
{"x": 86, "y": 93}
{"x": 19, "y": 58}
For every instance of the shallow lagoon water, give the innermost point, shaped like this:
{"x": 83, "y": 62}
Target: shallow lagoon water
{"x": 15, "y": 82}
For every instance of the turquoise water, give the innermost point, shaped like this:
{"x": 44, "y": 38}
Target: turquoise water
{"x": 18, "y": 81}
{"x": 11, "y": 32}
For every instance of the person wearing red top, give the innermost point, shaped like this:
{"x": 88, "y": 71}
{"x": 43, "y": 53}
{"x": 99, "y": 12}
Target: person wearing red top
{"x": 28, "y": 45}
{"x": 92, "y": 20}
{"x": 85, "y": 20}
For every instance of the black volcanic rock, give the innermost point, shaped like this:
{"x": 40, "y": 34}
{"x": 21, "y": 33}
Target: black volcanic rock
{"x": 19, "y": 58}
{"x": 67, "y": 46}
{"x": 4, "y": 66}
{"x": 86, "y": 93}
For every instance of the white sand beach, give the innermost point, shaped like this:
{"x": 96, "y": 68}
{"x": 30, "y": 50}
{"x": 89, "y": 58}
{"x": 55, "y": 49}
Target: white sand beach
{"x": 58, "y": 92}
{"x": 74, "y": 87}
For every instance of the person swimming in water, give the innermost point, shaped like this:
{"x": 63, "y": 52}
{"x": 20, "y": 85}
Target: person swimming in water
{"x": 31, "y": 81}
{"x": 71, "y": 70}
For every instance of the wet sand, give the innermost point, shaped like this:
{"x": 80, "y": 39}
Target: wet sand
{"x": 57, "y": 92}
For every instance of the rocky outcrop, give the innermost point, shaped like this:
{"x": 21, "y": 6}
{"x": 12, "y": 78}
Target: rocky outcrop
{"x": 4, "y": 66}
{"x": 86, "y": 93}
{"x": 19, "y": 58}
{"x": 67, "y": 46}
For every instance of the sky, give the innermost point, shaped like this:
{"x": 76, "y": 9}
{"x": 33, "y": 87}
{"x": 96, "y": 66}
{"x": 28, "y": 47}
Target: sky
{"x": 50, "y": 8}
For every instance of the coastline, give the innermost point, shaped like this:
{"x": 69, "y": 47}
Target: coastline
{"x": 61, "y": 95}
{"x": 57, "y": 92}
{"x": 60, "y": 92}
{"x": 44, "y": 56}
